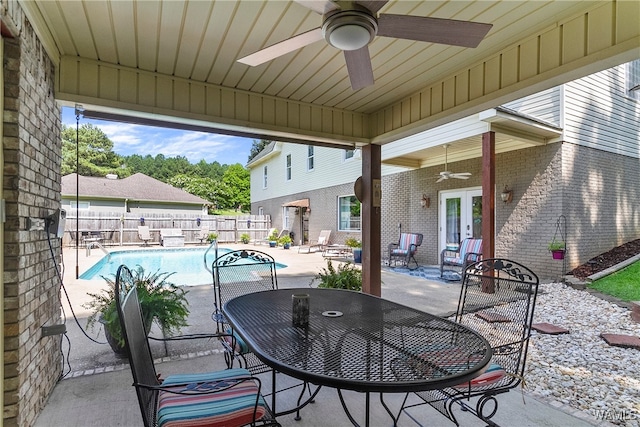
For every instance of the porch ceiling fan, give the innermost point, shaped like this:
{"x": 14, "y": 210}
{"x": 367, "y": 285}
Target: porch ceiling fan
{"x": 351, "y": 25}
{"x": 445, "y": 174}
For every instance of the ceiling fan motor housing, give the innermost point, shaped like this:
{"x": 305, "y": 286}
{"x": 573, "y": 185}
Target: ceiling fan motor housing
{"x": 349, "y": 29}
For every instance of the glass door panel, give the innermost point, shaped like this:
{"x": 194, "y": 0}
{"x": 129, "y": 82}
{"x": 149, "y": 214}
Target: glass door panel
{"x": 452, "y": 222}
{"x": 460, "y": 216}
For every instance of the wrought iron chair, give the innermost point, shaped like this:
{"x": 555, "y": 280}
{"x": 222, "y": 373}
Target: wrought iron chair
{"x": 497, "y": 299}
{"x": 230, "y": 397}
{"x": 405, "y": 250}
{"x": 238, "y": 273}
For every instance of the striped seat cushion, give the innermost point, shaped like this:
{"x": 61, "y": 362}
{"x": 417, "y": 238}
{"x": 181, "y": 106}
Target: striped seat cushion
{"x": 231, "y": 407}
{"x": 241, "y": 346}
{"x": 444, "y": 360}
{"x": 492, "y": 375}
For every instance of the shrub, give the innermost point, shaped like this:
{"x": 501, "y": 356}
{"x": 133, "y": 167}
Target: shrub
{"x": 353, "y": 242}
{"x": 244, "y": 238}
{"x": 347, "y": 276}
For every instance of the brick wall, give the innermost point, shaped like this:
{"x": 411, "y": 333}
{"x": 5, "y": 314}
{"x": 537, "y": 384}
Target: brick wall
{"x": 602, "y": 200}
{"x": 32, "y": 157}
{"x": 594, "y": 191}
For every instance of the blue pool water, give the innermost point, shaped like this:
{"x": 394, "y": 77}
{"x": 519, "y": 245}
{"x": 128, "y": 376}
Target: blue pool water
{"x": 188, "y": 264}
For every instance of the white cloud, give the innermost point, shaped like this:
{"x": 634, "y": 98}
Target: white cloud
{"x": 145, "y": 140}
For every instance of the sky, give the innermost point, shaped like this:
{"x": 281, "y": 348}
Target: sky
{"x": 136, "y": 139}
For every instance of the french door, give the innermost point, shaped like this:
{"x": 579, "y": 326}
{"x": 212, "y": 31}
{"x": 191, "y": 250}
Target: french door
{"x": 460, "y": 216}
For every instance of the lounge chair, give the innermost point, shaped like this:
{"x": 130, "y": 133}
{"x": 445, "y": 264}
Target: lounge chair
{"x": 266, "y": 238}
{"x": 144, "y": 234}
{"x": 203, "y": 235}
{"x": 405, "y": 250}
{"x": 320, "y": 244}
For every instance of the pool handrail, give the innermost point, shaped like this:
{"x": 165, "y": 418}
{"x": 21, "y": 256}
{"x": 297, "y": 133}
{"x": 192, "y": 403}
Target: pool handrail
{"x": 214, "y": 244}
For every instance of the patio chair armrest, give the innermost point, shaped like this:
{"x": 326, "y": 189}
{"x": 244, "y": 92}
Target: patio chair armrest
{"x": 472, "y": 257}
{"x": 202, "y": 387}
{"x": 393, "y": 245}
{"x": 447, "y": 252}
{"x": 220, "y": 336}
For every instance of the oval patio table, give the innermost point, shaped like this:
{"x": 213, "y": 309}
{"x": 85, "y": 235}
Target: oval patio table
{"x": 355, "y": 341}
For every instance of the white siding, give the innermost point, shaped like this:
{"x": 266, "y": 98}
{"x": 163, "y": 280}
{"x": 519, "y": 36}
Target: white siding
{"x": 330, "y": 169}
{"x": 543, "y": 105}
{"x": 600, "y": 115}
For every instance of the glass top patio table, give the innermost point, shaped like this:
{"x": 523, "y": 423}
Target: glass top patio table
{"x": 355, "y": 341}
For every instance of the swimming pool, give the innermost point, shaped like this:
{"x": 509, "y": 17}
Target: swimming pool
{"x": 187, "y": 263}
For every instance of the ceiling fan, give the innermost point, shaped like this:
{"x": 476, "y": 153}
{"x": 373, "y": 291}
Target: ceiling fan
{"x": 445, "y": 174}
{"x": 351, "y": 25}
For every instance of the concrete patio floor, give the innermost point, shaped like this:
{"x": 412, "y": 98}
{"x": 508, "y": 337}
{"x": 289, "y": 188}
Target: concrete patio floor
{"x": 97, "y": 390}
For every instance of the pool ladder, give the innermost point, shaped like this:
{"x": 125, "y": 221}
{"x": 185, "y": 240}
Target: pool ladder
{"x": 213, "y": 245}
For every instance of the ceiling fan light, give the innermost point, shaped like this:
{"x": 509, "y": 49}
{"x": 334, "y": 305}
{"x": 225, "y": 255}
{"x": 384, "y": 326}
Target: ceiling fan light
{"x": 349, "y": 30}
{"x": 349, "y": 37}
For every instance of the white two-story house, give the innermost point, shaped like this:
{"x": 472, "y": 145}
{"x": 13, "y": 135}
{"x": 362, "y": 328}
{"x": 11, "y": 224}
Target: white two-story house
{"x": 568, "y": 168}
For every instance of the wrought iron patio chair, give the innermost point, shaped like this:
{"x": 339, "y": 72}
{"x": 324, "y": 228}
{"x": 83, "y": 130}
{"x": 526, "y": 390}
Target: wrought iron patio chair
{"x": 230, "y": 397}
{"x": 107, "y": 238}
{"x": 497, "y": 299}
{"x": 405, "y": 250}
{"x": 238, "y": 273}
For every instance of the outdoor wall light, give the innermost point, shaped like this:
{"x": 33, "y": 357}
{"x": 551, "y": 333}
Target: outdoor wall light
{"x": 506, "y": 194}
{"x": 425, "y": 202}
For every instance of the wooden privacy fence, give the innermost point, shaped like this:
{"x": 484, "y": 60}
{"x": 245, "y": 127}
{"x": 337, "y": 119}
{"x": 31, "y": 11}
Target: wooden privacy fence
{"x": 125, "y": 227}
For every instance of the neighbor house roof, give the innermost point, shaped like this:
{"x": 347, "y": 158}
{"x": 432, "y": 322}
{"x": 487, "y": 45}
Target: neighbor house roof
{"x": 135, "y": 187}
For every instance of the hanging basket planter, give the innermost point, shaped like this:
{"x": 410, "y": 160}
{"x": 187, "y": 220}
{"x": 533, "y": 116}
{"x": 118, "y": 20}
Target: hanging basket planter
{"x": 557, "y": 254}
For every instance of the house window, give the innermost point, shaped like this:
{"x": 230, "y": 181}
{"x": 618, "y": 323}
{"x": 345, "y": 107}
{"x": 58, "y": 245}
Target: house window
{"x": 633, "y": 79}
{"x": 288, "y": 167}
{"x": 261, "y": 210}
{"x": 264, "y": 177}
{"x": 350, "y": 154}
{"x": 83, "y": 206}
{"x": 310, "y": 154}
{"x": 349, "y": 213}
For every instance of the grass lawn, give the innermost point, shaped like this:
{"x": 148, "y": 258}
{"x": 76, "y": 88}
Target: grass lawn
{"x": 624, "y": 284}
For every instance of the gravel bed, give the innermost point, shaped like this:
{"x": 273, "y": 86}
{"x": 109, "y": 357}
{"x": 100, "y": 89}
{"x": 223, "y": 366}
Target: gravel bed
{"x": 579, "y": 369}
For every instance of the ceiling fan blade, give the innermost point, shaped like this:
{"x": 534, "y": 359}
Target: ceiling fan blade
{"x": 359, "y": 67}
{"x": 433, "y": 30}
{"x": 373, "y": 5}
{"x": 459, "y": 176}
{"x": 442, "y": 178}
{"x": 320, "y": 6}
{"x": 282, "y": 48}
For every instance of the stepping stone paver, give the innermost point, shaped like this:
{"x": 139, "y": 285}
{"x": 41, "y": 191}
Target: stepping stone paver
{"x": 548, "y": 328}
{"x": 620, "y": 340}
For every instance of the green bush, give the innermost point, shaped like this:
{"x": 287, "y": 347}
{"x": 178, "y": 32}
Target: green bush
{"x": 347, "y": 276}
{"x": 160, "y": 300}
{"x": 245, "y": 238}
{"x": 353, "y": 242}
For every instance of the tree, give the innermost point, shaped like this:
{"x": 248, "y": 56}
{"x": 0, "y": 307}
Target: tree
{"x": 238, "y": 184}
{"x": 95, "y": 152}
{"x": 257, "y": 147}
